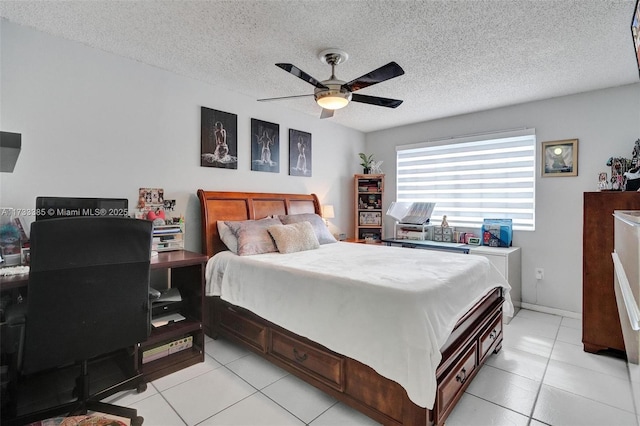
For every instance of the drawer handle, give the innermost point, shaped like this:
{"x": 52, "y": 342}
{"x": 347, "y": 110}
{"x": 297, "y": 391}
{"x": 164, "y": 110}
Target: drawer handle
{"x": 464, "y": 377}
{"x": 298, "y": 357}
{"x": 493, "y": 334}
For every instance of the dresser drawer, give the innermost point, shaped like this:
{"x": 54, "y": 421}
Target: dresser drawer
{"x": 489, "y": 338}
{"x": 455, "y": 382}
{"x": 249, "y": 331}
{"x": 322, "y": 365}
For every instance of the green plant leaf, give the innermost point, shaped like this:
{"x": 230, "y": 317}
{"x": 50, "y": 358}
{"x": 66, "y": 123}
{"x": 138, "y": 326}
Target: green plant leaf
{"x": 365, "y": 160}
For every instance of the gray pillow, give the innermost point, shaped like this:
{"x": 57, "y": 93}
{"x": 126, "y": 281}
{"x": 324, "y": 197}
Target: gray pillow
{"x": 253, "y": 237}
{"x": 319, "y": 227}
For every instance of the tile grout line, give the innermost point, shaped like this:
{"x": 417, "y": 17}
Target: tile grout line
{"x": 328, "y": 408}
{"x": 529, "y": 417}
{"x": 260, "y": 391}
{"x": 544, "y": 373}
{"x": 170, "y": 406}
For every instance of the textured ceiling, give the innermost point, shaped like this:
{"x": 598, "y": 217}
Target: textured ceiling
{"x": 458, "y": 56}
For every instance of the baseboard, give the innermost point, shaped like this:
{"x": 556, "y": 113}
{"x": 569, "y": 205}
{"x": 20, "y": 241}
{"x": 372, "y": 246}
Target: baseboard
{"x": 552, "y": 311}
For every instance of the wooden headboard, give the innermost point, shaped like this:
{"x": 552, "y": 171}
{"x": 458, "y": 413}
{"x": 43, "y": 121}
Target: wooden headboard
{"x": 216, "y": 205}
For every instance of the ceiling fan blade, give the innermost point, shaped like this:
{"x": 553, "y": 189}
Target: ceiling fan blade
{"x": 326, "y": 113}
{"x": 284, "y": 97}
{"x": 385, "y": 72}
{"x": 302, "y": 75}
{"x": 375, "y": 100}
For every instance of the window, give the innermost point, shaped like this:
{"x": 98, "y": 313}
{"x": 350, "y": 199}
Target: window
{"x": 469, "y": 179}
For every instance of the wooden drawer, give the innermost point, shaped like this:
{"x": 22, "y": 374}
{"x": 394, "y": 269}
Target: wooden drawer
{"x": 322, "y": 365}
{"x": 249, "y": 331}
{"x": 490, "y": 338}
{"x": 455, "y": 382}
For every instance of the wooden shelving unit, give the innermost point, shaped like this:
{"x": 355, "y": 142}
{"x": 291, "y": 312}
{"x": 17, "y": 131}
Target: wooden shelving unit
{"x": 369, "y": 219}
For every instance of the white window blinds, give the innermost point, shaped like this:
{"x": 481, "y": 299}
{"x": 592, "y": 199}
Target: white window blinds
{"x": 473, "y": 178}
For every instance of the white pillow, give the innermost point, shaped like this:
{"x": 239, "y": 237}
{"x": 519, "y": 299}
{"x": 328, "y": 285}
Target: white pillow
{"x": 294, "y": 237}
{"x": 227, "y": 236}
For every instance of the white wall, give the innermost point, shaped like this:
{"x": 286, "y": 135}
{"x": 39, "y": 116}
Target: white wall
{"x": 606, "y": 122}
{"x": 95, "y": 124}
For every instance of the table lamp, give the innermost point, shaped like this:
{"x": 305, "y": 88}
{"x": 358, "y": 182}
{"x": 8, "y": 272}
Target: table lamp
{"x": 327, "y": 213}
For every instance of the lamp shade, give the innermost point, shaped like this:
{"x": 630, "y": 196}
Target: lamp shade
{"x": 333, "y": 102}
{"x": 327, "y": 211}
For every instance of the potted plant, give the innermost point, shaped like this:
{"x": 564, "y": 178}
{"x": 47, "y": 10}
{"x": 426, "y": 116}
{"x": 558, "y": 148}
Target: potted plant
{"x": 365, "y": 162}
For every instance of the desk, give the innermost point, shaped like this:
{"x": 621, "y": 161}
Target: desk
{"x": 185, "y": 271}
{"x": 428, "y": 245}
{"x": 10, "y": 282}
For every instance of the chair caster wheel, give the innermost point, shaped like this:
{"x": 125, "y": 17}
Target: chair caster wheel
{"x": 141, "y": 387}
{"x": 137, "y": 421}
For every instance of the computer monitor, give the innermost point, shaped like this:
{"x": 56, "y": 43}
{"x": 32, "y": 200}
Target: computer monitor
{"x": 53, "y": 207}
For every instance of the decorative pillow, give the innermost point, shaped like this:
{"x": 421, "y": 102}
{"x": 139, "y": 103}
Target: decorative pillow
{"x": 319, "y": 227}
{"x": 294, "y": 237}
{"x": 252, "y": 235}
{"x": 227, "y": 236}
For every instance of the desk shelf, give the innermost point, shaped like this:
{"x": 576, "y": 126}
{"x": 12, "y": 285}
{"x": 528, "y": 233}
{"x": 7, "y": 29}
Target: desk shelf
{"x": 185, "y": 271}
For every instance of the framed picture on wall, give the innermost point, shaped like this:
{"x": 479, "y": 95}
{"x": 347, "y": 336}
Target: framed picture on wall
{"x": 265, "y": 146}
{"x": 218, "y": 139}
{"x": 560, "y": 158}
{"x": 299, "y": 153}
{"x": 635, "y": 32}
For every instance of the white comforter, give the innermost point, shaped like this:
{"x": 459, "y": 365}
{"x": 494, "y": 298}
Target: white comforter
{"x": 390, "y": 308}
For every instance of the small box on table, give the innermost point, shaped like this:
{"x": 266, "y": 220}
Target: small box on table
{"x": 497, "y": 232}
{"x": 444, "y": 234}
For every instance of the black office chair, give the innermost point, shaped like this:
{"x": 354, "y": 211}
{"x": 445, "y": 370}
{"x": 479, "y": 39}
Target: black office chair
{"x": 88, "y": 296}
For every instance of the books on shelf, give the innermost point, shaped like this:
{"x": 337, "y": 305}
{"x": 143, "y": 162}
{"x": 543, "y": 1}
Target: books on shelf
{"x": 168, "y": 237}
{"x": 167, "y": 319}
{"x": 167, "y": 229}
{"x": 369, "y": 185}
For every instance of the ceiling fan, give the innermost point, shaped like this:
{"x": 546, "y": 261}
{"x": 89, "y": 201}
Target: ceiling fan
{"x": 332, "y": 94}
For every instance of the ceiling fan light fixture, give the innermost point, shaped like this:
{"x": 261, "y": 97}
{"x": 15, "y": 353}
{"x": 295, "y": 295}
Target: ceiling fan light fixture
{"x": 333, "y": 101}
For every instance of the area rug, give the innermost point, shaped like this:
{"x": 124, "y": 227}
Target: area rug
{"x": 93, "y": 419}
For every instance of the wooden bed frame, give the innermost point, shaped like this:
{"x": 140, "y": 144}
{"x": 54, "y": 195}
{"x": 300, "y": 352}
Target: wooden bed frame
{"x": 475, "y": 337}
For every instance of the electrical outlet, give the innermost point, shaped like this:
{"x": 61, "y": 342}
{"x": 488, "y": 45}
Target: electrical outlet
{"x": 539, "y": 274}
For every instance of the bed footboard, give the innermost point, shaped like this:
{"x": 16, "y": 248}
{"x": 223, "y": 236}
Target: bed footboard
{"x": 475, "y": 337}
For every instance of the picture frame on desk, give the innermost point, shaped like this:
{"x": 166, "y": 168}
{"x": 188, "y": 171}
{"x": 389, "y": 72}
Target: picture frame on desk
{"x": 371, "y": 218}
{"x": 25, "y": 256}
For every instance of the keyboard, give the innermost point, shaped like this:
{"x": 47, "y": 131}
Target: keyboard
{"x": 13, "y": 270}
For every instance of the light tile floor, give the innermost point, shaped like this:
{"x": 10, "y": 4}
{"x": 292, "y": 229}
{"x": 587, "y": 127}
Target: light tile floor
{"x": 540, "y": 377}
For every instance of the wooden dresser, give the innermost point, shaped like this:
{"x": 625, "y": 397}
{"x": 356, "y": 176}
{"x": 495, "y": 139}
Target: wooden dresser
{"x": 600, "y": 321}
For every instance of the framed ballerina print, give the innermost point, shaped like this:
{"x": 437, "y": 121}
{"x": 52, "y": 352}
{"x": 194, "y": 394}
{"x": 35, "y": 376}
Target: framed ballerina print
{"x": 219, "y": 139}
{"x": 300, "y": 163}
